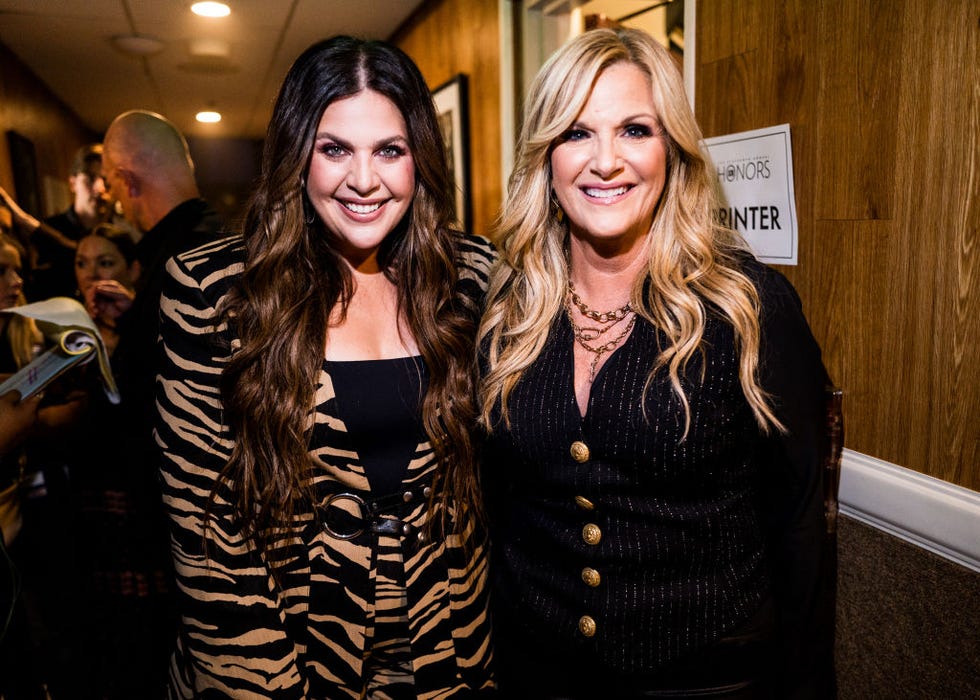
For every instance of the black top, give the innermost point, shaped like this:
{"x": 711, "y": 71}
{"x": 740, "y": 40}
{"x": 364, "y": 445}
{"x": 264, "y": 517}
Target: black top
{"x": 53, "y": 269}
{"x": 380, "y": 402}
{"x": 8, "y": 365}
{"x": 10, "y": 466}
{"x": 119, "y": 450}
{"x": 134, "y": 362}
{"x": 696, "y": 537}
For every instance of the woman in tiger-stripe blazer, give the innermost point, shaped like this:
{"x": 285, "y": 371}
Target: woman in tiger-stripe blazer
{"x": 316, "y": 408}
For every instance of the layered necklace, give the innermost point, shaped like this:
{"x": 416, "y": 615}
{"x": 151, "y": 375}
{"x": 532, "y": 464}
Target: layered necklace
{"x": 601, "y": 322}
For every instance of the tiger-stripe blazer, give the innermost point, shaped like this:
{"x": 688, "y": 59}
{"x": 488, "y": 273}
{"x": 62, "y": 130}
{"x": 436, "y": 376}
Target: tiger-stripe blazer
{"x": 243, "y": 636}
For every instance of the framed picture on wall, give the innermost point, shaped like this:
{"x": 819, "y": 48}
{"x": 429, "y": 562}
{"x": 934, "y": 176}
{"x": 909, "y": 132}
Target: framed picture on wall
{"x": 24, "y": 164}
{"x": 452, "y": 110}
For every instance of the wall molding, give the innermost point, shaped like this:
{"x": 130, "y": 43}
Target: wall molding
{"x": 508, "y": 91}
{"x": 690, "y": 48}
{"x": 931, "y": 513}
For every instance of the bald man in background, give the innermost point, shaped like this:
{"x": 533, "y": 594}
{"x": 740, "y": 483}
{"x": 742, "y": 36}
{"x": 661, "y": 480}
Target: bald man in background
{"x": 148, "y": 169}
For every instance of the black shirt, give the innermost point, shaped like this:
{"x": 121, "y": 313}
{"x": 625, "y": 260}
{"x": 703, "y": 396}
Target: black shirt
{"x": 380, "y": 402}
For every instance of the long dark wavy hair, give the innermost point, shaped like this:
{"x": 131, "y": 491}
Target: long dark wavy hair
{"x": 294, "y": 277}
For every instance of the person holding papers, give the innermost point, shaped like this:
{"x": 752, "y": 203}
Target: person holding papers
{"x": 19, "y": 339}
{"x": 17, "y": 673}
{"x": 33, "y": 500}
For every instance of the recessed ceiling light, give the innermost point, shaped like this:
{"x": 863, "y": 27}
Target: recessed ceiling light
{"x": 210, "y": 9}
{"x": 208, "y": 117}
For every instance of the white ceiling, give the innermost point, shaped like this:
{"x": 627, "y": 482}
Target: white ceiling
{"x": 67, "y": 44}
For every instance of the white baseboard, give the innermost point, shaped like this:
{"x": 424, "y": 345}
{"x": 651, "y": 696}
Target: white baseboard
{"x": 931, "y": 513}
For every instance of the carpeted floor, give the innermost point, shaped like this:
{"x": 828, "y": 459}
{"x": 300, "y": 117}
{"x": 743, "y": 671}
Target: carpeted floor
{"x": 908, "y": 621}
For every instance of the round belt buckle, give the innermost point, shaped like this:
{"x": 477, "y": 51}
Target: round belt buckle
{"x": 341, "y": 523}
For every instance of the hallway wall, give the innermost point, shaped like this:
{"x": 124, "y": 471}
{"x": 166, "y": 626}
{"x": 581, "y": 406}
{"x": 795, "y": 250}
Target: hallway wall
{"x": 883, "y": 103}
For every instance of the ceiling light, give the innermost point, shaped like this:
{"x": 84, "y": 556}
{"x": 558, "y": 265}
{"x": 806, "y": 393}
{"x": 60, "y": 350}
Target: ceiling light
{"x": 137, "y": 44}
{"x": 208, "y": 117}
{"x": 210, "y": 9}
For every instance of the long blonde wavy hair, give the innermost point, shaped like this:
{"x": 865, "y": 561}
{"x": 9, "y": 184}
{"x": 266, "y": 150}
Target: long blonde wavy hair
{"x": 692, "y": 260}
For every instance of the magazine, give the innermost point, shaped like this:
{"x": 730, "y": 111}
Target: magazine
{"x": 74, "y": 340}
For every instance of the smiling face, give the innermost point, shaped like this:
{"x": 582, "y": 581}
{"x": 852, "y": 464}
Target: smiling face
{"x": 98, "y": 258}
{"x": 361, "y": 178}
{"x": 11, "y": 283}
{"x": 609, "y": 168}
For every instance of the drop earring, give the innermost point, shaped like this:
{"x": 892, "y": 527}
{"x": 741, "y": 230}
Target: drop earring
{"x": 557, "y": 210}
{"x": 309, "y": 213}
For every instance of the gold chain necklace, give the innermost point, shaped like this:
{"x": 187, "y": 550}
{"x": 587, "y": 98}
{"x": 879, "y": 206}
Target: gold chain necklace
{"x": 607, "y": 320}
{"x": 602, "y": 317}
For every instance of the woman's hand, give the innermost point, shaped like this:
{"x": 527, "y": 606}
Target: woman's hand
{"x": 107, "y": 300}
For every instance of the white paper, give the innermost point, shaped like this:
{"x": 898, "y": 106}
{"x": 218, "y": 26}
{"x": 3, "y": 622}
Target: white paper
{"x": 74, "y": 338}
{"x": 755, "y": 170}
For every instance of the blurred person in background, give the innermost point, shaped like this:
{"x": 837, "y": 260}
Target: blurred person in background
{"x": 33, "y": 235}
{"x": 52, "y": 264}
{"x": 19, "y": 677}
{"x": 31, "y": 502}
{"x": 149, "y": 172}
{"x": 106, "y": 262}
{"x": 108, "y": 570}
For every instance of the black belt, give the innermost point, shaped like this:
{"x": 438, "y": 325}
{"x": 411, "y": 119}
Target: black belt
{"x": 343, "y": 524}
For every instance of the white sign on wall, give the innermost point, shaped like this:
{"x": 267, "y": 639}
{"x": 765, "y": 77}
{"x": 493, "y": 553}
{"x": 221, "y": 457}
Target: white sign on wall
{"x": 755, "y": 169}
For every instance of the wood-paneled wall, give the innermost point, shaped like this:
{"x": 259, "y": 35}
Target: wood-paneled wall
{"x": 447, "y": 37}
{"x": 883, "y": 102}
{"x": 28, "y": 107}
